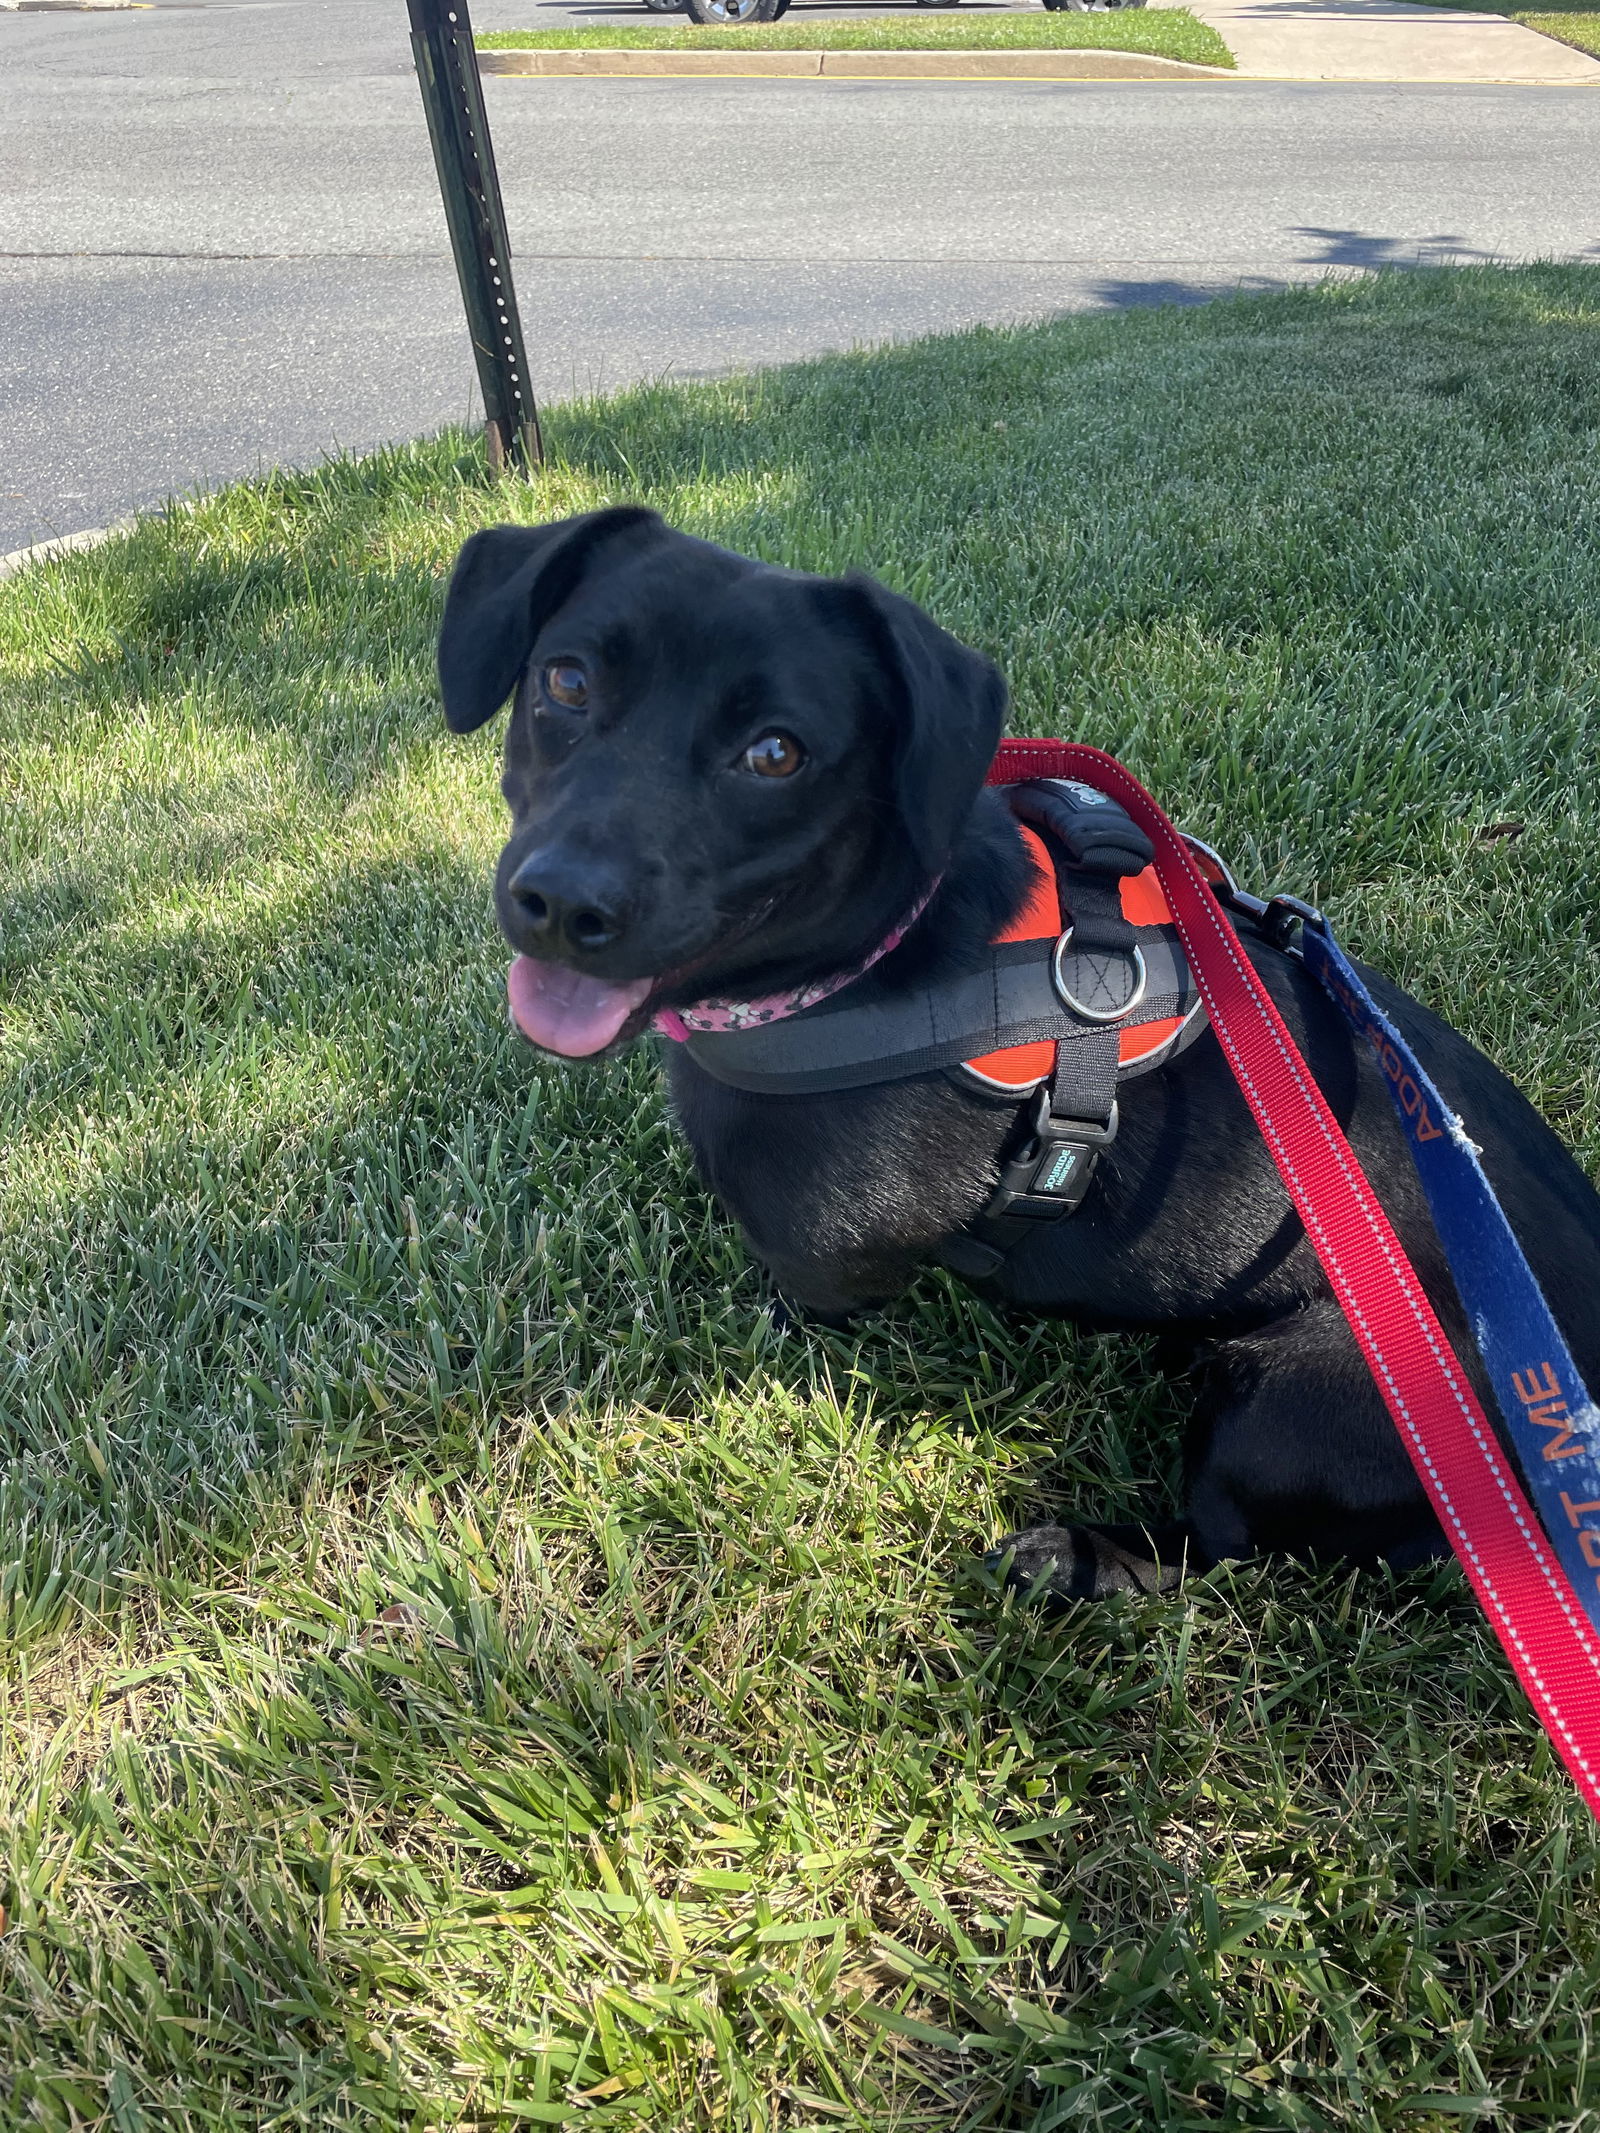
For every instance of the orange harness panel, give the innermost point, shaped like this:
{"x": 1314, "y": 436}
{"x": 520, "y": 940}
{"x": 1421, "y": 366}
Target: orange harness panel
{"x": 1022, "y": 1067}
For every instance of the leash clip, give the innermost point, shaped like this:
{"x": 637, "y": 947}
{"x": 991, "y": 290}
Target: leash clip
{"x": 1281, "y": 914}
{"x": 1275, "y": 918}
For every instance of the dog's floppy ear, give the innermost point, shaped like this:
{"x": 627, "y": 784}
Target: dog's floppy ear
{"x": 507, "y": 583}
{"x": 952, "y": 704}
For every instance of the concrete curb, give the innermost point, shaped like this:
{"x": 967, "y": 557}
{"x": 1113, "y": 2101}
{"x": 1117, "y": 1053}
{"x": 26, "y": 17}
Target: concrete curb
{"x": 21, "y": 559}
{"x": 1037, "y": 65}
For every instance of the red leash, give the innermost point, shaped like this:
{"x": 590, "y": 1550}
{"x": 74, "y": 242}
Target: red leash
{"x": 1471, "y": 1484}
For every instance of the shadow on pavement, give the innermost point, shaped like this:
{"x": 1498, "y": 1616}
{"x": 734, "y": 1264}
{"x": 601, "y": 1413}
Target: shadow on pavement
{"x": 1339, "y": 252}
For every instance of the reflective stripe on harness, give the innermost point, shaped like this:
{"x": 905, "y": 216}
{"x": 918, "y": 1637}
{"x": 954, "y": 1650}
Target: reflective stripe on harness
{"x": 1087, "y": 986}
{"x": 1005, "y": 1027}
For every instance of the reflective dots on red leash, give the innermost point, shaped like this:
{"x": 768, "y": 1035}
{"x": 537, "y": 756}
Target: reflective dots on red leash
{"x": 1542, "y": 1624}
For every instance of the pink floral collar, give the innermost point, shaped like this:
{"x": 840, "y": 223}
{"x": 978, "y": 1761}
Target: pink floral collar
{"x": 678, "y": 1023}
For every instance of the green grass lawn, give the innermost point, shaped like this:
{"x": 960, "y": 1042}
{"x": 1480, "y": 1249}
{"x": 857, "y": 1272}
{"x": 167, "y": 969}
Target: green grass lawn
{"x": 1580, "y": 29}
{"x": 1578, "y": 25}
{"x": 462, "y": 1668}
{"x": 1172, "y": 32}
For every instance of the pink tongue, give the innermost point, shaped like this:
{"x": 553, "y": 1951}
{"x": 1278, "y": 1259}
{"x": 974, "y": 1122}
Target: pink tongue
{"x": 567, "y": 1012}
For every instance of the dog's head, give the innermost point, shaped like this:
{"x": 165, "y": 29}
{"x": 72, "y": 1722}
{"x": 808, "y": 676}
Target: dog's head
{"x": 723, "y": 777}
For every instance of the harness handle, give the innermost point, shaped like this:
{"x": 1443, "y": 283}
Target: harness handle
{"x": 1553, "y": 1649}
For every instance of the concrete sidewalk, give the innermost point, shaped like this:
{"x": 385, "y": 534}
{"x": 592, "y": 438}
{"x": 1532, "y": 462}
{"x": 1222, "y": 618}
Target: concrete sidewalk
{"x": 1386, "y": 40}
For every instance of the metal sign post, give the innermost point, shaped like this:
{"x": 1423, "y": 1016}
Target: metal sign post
{"x": 452, "y": 96}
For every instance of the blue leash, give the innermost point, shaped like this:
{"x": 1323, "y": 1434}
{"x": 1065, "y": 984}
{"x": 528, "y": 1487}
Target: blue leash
{"x": 1553, "y": 1422}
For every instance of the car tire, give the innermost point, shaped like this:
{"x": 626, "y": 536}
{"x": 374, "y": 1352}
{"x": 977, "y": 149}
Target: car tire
{"x": 730, "y": 14}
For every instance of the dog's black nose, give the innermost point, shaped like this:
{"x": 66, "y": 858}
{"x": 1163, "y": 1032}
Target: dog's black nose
{"x": 561, "y": 908}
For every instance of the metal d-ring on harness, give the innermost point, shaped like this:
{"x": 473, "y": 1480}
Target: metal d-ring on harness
{"x": 1101, "y": 977}
{"x": 1048, "y": 1175}
{"x": 1038, "y": 1028}
{"x": 1082, "y": 1008}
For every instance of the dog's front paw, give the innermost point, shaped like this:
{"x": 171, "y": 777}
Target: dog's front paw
{"x": 1058, "y": 1564}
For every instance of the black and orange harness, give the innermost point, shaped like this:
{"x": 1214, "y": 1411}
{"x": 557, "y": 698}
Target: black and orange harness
{"x": 1086, "y": 988}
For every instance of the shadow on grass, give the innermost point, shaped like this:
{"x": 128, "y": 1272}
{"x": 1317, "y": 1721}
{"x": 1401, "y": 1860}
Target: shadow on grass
{"x": 334, "y": 1051}
{"x": 290, "y": 1198}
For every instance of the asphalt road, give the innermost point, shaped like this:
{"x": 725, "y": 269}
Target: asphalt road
{"x": 221, "y": 246}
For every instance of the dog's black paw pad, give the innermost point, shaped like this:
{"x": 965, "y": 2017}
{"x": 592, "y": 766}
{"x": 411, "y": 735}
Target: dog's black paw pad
{"x": 1059, "y": 1564}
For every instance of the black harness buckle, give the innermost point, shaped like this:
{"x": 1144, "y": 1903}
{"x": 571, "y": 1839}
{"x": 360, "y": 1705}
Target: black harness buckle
{"x": 1050, "y": 1173}
{"x": 1045, "y": 1180}
{"x": 1055, "y": 1166}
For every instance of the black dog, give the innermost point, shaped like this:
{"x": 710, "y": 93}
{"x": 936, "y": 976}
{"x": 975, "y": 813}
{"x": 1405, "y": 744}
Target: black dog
{"x": 729, "y": 779}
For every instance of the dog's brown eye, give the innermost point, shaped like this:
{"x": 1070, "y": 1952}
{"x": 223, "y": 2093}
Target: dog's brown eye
{"x": 566, "y": 683}
{"x": 775, "y": 755}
